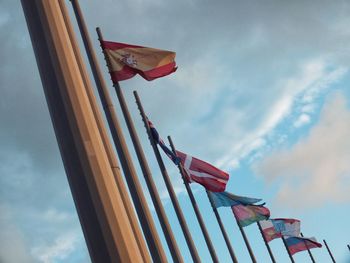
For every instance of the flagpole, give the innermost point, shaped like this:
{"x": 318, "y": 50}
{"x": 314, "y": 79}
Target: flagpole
{"x": 245, "y": 240}
{"x": 114, "y": 125}
{"x": 168, "y": 184}
{"x": 195, "y": 207}
{"x": 223, "y": 231}
{"x": 308, "y": 250}
{"x": 111, "y": 118}
{"x": 145, "y": 217}
{"x": 329, "y": 251}
{"x": 285, "y": 244}
{"x": 266, "y": 243}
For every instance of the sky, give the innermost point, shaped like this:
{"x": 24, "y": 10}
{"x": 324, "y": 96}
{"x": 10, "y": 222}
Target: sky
{"x": 262, "y": 91}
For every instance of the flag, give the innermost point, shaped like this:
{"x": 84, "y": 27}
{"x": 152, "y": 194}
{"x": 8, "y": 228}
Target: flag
{"x": 227, "y": 199}
{"x": 212, "y": 178}
{"x": 128, "y": 60}
{"x": 160, "y": 142}
{"x": 278, "y": 227}
{"x": 297, "y": 244}
{"x": 248, "y": 214}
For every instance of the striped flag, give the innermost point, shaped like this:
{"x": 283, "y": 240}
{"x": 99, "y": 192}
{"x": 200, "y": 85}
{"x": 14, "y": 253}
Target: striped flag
{"x": 298, "y": 244}
{"x": 249, "y": 214}
{"x": 228, "y": 200}
{"x": 160, "y": 142}
{"x": 278, "y": 227}
{"x": 128, "y": 60}
{"x": 212, "y": 178}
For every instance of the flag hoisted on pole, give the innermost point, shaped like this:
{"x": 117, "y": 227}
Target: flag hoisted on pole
{"x": 154, "y": 138}
{"x": 146, "y": 221}
{"x": 246, "y": 215}
{"x": 249, "y": 214}
{"x": 298, "y": 244}
{"x": 286, "y": 246}
{"x": 278, "y": 227}
{"x": 227, "y": 199}
{"x": 266, "y": 242}
{"x": 223, "y": 231}
{"x": 308, "y": 250}
{"x": 212, "y": 178}
{"x": 244, "y": 210}
{"x": 128, "y": 60}
{"x": 116, "y": 132}
{"x": 195, "y": 207}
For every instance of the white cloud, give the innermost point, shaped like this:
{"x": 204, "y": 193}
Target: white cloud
{"x": 317, "y": 169}
{"x": 54, "y": 216}
{"x": 13, "y": 247}
{"x": 302, "y": 120}
{"x": 61, "y": 248}
{"x": 314, "y": 76}
{"x": 308, "y": 108}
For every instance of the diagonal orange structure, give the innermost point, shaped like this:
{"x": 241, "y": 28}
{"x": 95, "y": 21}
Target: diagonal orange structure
{"x": 105, "y": 212}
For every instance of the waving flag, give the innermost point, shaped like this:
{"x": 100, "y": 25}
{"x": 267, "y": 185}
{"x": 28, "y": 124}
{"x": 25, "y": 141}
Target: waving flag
{"x": 297, "y": 244}
{"x": 249, "y": 214}
{"x": 160, "y": 142}
{"x": 228, "y": 199}
{"x": 278, "y": 227}
{"x": 128, "y": 60}
{"x": 212, "y": 178}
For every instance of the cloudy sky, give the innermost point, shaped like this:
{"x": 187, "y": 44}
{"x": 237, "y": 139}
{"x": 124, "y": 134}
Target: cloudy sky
{"x": 262, "y": 91}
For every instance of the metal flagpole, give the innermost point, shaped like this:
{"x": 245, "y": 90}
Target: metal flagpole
{"x": 285, "y": 244}
{"x": 308, "y": 250}
{"x": 266, "y": 243}
{"x": 195, "y": 207}
{"x": 329, "y": 251}
{"x": 245, "y": 240}
{"x": 168, "y": 184}
{"x": 116, "y": 131}
{"x": 135, "y": 188}
{"x": 223, "y": 231}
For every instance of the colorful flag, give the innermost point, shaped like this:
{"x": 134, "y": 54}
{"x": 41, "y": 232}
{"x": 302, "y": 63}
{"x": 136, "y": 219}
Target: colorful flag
{"x": 227, "y": 199}
{"x": 212, "y": 178}
{"x": 248, "y": 214}
{"x": 297, "y": 244}
{"x": 128, "y": 60}
{"x": 278, "y": 227}
{"x": 160, "y": 142}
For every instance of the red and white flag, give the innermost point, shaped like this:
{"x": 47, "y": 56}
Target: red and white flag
{"x": 212, "y": 178}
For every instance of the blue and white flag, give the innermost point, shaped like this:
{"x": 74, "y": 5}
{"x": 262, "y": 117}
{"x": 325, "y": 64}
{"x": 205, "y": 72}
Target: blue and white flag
{"x": 229, "y": 200}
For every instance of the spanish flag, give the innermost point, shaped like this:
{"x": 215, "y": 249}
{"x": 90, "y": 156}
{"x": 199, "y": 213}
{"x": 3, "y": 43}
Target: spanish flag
{"x": 125, "y": 61}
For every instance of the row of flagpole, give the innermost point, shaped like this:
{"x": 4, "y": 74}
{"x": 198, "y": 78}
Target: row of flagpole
{"x": 169, "y": 186}
{"x": 199, "y": 217}
{"x": 134, "y": 185}
{"x": 141, "y": 207}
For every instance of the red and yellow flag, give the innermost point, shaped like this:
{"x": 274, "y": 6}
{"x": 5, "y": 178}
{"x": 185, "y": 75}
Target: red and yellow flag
{"x": 128, "y": 60}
